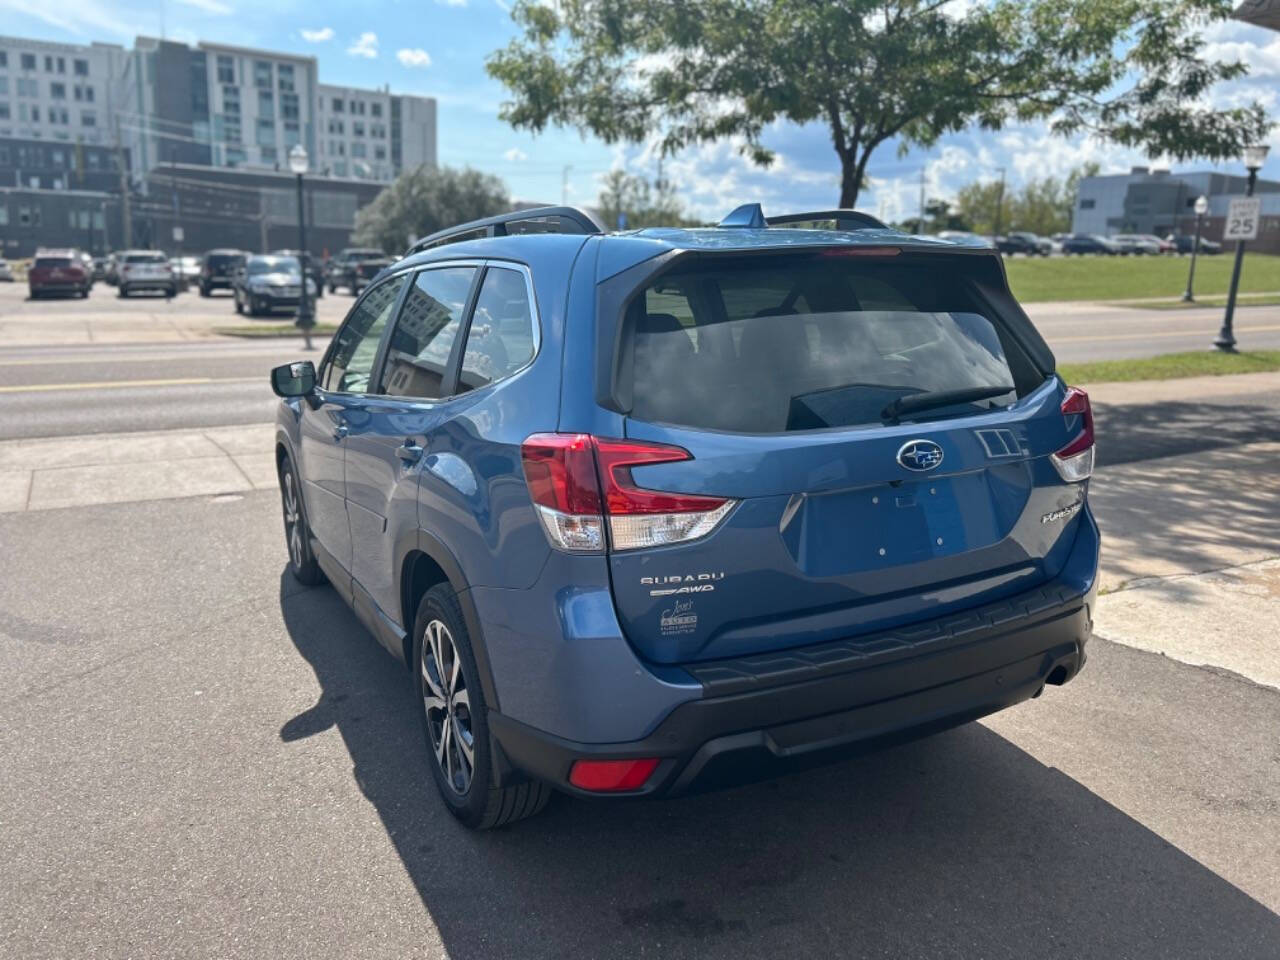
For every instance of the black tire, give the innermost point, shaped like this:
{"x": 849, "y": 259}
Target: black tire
{"x": 480, "y": 805}
{"x": 239, "y": 306}
{"x": 297, "y": 532}
{"x": 332, "y": 288}
{"x": 204, "y": 291}
{"x": 123, "y": 292}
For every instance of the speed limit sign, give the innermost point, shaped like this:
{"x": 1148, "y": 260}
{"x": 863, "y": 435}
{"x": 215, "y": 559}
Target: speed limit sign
{"x": 1242, "y": 219}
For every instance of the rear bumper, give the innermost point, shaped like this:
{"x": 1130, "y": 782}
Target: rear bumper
{"x": 762, "y": 716}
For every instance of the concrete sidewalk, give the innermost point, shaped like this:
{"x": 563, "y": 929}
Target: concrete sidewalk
{"x": 119, "y": 468}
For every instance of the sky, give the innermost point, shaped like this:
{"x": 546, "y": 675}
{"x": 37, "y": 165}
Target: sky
{"x": 438, "y": 48}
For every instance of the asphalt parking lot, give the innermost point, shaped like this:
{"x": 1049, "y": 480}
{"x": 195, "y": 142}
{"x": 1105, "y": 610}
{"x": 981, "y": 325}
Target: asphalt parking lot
{"x": 201, "y": 758}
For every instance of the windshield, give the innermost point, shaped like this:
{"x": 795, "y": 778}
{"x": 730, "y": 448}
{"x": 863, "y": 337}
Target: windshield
{"x": 260, "y": 265}
{"x": 815, "y": 343}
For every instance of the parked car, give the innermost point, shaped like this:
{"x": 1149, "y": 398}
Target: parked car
{"x": 1023, "y": 242}
{"x": 99, "y": 268}
{"x": 187, "y": 270}
{"x": 6, "y": 272}
{"x": 1184, "y": 243}
{"x": 146, "y": 270}
{"x": 1162, "y": 246}
{"x": 218, "y": 270}
{"x": 58, "y": 271}
{"x": 788, "y": 502}
{"x": 1081, "y": 243}
{"x": 87, "y": 260}
{"x": 269, "y": 283}
{"x": 311, "y": 266}
{"x": 966, "y": 237}
{"x": 1136, "y": 244}
{"x": 111, "y": 273}
{"x": 354, "y": 267}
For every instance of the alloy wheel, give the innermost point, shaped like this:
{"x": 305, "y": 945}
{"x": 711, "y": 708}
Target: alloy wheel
{"x": 292, "y": 520}
{"x": 448, "y": 705}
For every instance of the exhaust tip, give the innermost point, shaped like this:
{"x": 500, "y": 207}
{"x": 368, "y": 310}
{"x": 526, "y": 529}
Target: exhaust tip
{"x": 1058, "y": 676}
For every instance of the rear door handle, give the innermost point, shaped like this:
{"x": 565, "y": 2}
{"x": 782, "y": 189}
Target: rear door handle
{"x": 340, "y": 432}
{"x": 410, "y": 451}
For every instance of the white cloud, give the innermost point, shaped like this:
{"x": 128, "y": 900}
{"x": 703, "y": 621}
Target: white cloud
{"x": 417, "y": 57}
{"x": 215, "y": 7}
{"x": 366, "y": 46}
{"x": 318, "y": 36}
{"x": 515, "y": 155}
{"x": 452, "y": 3}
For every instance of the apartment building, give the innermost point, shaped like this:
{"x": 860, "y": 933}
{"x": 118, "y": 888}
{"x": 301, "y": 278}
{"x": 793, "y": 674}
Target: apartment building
{"x": 209, "y": 104}
{"x": 57, "y": 106}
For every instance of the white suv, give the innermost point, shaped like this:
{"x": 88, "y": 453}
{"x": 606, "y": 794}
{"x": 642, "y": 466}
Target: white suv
{"x": 146, "y": 270}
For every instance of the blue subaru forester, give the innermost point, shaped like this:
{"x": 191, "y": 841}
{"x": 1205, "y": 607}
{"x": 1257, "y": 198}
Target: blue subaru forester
{"x": 651, "y": 511}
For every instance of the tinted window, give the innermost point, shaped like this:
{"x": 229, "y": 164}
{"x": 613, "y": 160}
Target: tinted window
{"x": 52, "y": 262}
{"x": 418, "y": 357}
{"x": 272, "y": 265}
{"x": 807, "y": 343}
{"x": 356, "y": 346}
{"x": 223, "y": 260}
{"x": 145, "y": 258}
{"x": 501, "y": 338}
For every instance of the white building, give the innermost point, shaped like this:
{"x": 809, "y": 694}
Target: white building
{"x": 374, "y": 134}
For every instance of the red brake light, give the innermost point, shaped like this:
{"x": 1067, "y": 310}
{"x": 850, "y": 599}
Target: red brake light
{"x": 604, "y": 776}
{"x": 1076, "y": 402}
{"x": 561, "y": 472}
{"x": 860, "y": 252}
{"x": 1074, "y": 462}
{"x": 622, "y": 496}
{"x": 576, "y": 480}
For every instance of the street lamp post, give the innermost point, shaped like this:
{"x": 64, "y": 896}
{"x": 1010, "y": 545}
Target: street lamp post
{"x": 306, "y": 319}
{"x": 1202, "y": 207}
{"x": 1254, "y": 157}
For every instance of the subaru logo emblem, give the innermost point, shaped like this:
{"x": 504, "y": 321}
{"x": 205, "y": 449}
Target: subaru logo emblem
{"x": 920, "y": 455}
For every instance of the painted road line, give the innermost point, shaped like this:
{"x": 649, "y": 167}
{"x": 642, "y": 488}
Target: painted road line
{"x": 116, "y": 384}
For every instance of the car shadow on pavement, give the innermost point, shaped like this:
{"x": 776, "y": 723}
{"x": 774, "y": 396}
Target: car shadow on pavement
{"x": 1132, "y": 432}
{"x": 958, "y": 845}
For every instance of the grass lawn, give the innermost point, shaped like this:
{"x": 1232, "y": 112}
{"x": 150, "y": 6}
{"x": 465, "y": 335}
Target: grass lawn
{"x": 1124, "y": 278}
{"x": 286, "y": 329}
{"x": 1171, "y": 365}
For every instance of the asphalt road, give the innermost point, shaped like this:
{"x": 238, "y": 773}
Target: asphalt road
{"x": 200, "y": 758}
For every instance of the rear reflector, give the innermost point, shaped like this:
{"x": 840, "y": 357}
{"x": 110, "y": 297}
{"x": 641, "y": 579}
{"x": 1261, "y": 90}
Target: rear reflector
{"x": 1074, "y": 462}
{"x": 576, "y": 480}
{"x": 607, "y": 776}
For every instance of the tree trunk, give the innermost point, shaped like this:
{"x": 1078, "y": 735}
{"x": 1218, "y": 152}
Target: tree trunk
{"x": 850, "y": 179}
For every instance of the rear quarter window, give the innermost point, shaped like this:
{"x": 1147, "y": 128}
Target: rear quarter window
{"x": 812, "y": 342}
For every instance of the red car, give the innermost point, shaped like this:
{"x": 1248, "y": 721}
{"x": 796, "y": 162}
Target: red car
{"x": 58, "y": 271}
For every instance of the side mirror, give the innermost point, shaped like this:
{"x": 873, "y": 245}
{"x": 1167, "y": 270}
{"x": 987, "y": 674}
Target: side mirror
{"x": 294, "y": 379}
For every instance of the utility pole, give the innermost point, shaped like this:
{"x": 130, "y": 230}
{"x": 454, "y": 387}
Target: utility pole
{"x": 999, "y": 207}
{"x": 920, "y": 223}
{"x": 126, "y": 214}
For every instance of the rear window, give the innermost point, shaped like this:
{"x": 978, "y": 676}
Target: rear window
{"x": 53, "y": 262}
{"x": 814, "y": 342}
{"x": 223, "y": 259}
{"x": 146, "y": 258}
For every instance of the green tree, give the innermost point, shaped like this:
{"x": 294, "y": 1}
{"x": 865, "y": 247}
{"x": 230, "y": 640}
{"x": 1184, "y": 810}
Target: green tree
{"x": 425, "y": 200}
{"x": 693, "y": 71}
{"x": 643, "y": 204}
{"x": 978, "y": 202}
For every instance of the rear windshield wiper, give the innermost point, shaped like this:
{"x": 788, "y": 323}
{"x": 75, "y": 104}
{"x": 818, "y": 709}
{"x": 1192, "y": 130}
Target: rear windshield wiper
{"x": 915, "y": 402}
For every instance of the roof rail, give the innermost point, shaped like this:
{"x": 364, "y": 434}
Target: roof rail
{"x": 845, "y": 219}
{"x": 570, "y": 220}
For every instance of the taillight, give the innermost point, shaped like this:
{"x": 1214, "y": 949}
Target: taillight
{"x": 577, "y": 480}
{"x": 607, "y": 776}
{"x": 1074, "y": 462}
